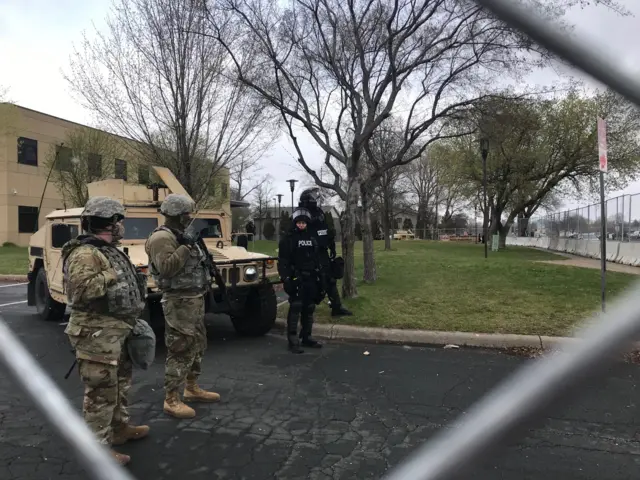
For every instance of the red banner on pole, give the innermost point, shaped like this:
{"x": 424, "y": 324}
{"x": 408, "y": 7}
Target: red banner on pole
{"x": 602, "y": 144}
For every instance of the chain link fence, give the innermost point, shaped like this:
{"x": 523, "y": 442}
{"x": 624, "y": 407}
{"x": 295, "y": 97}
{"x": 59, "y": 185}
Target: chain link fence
{"x": 585, "y": 223}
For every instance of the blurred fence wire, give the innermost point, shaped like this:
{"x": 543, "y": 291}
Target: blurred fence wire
{"x": 525, "y": 397}
{"x": 622, "y": 221}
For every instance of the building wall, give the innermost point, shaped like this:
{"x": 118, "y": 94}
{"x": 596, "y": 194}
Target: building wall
{"x": 23, "y": 185}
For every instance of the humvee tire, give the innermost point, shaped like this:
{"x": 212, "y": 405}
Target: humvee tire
{"x": 48, "y": 309}
{"x": 256, "y": 312}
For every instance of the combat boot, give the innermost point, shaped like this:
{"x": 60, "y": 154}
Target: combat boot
{"x": 294, "y": 343}
{"x": 125, "y": 433}
{"x": 193, "y": 393}
{"x": 310, "y": 342}
{"x": 340, "y": 311}
{"x": 121, "y": 458}
{"x": 173, "y": 406}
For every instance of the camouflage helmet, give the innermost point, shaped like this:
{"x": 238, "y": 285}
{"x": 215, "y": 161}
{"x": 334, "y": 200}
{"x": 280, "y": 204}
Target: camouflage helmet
{"x": 103, "y": 207}
{"x": 176, "y": 204}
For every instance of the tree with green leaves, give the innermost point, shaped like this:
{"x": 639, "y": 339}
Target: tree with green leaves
{"x": 269, "y": 229}
{"x": 540, "y": 148}
{"x": 285, "y": 223}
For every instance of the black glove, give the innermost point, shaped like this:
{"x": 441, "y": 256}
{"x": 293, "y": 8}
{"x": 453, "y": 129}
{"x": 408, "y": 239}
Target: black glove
{"x": 290, "y": 286}
{"x": 332, "y": 253}
{"x": 191, "y": 235}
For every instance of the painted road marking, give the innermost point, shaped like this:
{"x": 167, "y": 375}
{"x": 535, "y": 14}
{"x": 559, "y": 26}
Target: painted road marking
{"x": 14, "y": 285}
{"x": 12, "y": 303}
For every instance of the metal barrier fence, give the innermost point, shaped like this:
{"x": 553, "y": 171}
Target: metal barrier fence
{"x": 622, "y": 221}
{"x": 499, "y": 416}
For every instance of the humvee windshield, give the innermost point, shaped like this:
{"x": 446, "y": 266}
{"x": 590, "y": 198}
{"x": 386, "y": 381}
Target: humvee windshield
{"x": 211, "y": 227}
{"x": 139, "y": 228}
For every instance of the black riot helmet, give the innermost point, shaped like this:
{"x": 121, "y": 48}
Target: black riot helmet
{"x": 310, "y": 198}
{"x": 300, "y": 214}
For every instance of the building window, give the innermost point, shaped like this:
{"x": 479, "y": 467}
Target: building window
{"x": 143, "y": 175}
{"x": 94, "y": 166}
{"x": 121, "y": 170}
{"x": 224, "y": 190}
{"x": 27, "y": 219}
{"x": 27, "y": 151}
{"x": 63, "y": 161}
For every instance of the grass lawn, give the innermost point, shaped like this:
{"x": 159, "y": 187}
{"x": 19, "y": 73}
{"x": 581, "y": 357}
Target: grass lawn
{"x": 451, "y": 287}
{"x": 14, "y": 261}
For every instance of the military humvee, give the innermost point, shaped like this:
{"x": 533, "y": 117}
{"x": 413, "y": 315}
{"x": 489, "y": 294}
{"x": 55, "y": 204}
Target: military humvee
{"x": 249, "y": 277}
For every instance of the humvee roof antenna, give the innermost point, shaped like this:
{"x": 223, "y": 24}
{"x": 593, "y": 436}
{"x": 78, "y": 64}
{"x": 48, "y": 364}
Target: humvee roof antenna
{"x": 53, "y": 164}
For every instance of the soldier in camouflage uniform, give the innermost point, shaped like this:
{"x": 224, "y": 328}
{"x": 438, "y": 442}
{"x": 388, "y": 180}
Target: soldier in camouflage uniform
{"x": 106, "y": 295}
{"x": 176, "y": 263}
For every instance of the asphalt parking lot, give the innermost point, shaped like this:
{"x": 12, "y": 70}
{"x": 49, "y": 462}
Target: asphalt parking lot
{"x": 329, "y": 414}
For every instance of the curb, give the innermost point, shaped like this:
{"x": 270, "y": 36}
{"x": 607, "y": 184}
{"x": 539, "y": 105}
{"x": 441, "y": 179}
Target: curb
{"x": 13, "y": 278}
{"x": 426, "y": 337}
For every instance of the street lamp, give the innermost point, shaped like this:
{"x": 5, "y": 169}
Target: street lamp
{"x": 484, "y": 150}
{"x": 292, "y": 184}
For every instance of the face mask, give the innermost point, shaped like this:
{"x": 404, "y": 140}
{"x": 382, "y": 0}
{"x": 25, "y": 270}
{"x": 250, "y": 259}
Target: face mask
{"x": 117, "y": 232}
{"x": 185, "y": 220}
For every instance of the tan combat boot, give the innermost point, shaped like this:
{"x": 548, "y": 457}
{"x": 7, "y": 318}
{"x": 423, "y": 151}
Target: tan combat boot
{"x": 193, "y": 393}
{"x": 121, "y": 458}
{"x": 173, "y": 406}
{"x": 129, "y": 432}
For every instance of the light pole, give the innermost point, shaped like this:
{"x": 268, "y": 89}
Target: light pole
{"x": 292, "y": 184}
{"x": 279, "y": 213}
{"x": 484, "y": 150}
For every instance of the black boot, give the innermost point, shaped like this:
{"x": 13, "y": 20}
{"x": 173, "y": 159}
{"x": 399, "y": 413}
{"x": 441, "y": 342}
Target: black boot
{"x": 340, "y": 311}
{"x": 307, "y": 326}
{"x": 311, "y": 343}
{"x": 294, "y": 343}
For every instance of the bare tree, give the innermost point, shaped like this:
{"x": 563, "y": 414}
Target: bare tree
{"x": 87, "y": 155}
{"x": 154, "y": 78}
{"x": 341, "y": 69}
{"x": 243, "y": 174}
{"x": 262, "y": 195}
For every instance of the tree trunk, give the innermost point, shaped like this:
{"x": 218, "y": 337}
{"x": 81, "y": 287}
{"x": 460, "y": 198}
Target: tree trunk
{"x": 349, "y": 287}
{"x": 523, "y": 225}
{"x": 386, "y": 214}
{"x": 370, "y": 274}
{"x": 504, "y": 232}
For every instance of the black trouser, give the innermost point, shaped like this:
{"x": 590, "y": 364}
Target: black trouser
{"x": 303, "y": 312}
{"x": 330, "y": 283}
{"x": 301, "y": 308}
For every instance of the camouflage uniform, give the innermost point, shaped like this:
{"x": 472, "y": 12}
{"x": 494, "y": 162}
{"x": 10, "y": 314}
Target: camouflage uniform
{"x": 177, "y": 267}
{"x": 106, "y": 296}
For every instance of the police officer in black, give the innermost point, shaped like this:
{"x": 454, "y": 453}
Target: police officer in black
{"x": 327, "y": 248}
{"x": 298, "y": 266}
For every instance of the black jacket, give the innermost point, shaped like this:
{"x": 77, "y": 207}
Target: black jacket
{"x": 298, "y": 255}
{"x": 326, "y": 236}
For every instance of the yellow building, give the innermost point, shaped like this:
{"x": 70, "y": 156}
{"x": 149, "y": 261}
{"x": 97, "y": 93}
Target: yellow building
{"x": 28, "y": 139}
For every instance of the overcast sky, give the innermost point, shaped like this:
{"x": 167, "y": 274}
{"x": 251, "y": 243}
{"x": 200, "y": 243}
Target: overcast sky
{"x": 37, "y": 38}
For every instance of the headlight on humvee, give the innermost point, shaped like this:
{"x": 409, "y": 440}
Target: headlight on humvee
{"x": 250, "y": 274}
{"x": 270, "y": 263}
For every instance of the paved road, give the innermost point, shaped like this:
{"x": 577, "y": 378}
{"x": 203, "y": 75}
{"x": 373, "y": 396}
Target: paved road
{"x": 337, "y": 414}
